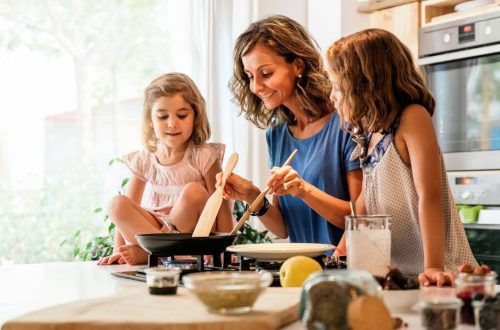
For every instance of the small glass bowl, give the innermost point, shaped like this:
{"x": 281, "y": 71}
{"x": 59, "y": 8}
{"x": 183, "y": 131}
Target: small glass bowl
{"x": 228, "y": 292}
{"x": 162, "y": 280}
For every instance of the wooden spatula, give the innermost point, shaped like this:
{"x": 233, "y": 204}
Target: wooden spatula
{"x": 209, "y": 213}
{"x": 257, "y": 200}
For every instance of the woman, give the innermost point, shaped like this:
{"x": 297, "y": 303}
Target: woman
{"x": 280, "y": 84}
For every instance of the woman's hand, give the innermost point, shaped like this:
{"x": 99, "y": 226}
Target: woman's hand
{"x": 436, "y": 276}
{"x": 286, "y": 181}
{"x": 238, "y": 188}
{"x": 115, "y": 258}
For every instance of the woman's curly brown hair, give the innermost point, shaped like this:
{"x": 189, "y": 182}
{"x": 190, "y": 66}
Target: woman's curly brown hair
{"x": 290, "y": 40}
{"x": 378, "y": 79}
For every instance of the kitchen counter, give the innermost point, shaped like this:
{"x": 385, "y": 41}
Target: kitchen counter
{"x": 26, "y": 288}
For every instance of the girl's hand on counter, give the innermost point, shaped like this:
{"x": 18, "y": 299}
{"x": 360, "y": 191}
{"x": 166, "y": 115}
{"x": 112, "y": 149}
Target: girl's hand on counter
{"x": 115, "y": 258}
{"x": 437, "y": 277}
{"x": 286, "y": 181}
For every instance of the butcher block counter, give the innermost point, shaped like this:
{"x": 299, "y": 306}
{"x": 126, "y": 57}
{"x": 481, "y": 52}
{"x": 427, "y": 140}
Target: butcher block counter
{"x": 82, "y": 295}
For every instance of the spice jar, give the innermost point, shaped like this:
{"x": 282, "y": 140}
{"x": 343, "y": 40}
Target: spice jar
{"x": 469, "y": 285}
{"x": 326, "y": 296}
{"x": 162, "y": 280}
{"x": 440, "y": 314}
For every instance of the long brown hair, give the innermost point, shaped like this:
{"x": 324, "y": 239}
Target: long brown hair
{"x": 378, "y": 79}
{"x": 288, "y": 39}
{"x": 168, "y": 85}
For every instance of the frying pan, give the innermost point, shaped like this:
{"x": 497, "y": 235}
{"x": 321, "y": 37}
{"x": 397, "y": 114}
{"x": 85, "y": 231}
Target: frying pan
{"x": 169, "y": 244}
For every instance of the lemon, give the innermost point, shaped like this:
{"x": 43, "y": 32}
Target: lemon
{"x": 295, "y": 270}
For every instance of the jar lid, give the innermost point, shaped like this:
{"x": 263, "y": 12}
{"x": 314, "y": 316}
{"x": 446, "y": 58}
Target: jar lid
{"x": 448, "y": 303}
{"x": 466, "y": 277}
{"x": 162, "y": 271}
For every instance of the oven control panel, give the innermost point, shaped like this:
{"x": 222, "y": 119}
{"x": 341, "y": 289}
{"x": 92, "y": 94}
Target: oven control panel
{"x": 475, "y": 187}
{"x": 465, "y": 33}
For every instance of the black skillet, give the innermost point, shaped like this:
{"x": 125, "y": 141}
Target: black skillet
{"x": 171, "y": 244}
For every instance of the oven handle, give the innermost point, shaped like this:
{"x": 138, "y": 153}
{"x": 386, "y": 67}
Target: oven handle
{"x": 459, "y": 55}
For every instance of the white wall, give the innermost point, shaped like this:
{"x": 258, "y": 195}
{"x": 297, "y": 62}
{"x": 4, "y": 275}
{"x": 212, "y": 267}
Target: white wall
{"x": 296, "y": 9}
{"x": 324, "y": 21}
{"x": 352, "y": 21}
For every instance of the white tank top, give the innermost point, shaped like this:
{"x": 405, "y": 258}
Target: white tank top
{"x": 390, "y": 189}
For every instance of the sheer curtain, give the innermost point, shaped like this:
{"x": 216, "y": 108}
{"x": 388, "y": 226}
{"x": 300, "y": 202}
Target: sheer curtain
{"x": 220, "y": 22}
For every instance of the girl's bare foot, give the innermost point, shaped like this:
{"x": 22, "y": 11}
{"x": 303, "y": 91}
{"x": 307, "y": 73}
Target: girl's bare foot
{"x": 133, "y": 254}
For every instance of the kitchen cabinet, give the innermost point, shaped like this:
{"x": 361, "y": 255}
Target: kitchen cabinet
{"x": 439, "y": 11}
{"x": 403, "y": 21}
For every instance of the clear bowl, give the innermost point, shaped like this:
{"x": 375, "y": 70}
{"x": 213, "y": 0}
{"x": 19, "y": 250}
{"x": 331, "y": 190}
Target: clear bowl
{"x": 228, "y": 292}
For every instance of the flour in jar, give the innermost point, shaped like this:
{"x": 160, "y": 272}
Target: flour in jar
{"x": 369, "y": 249}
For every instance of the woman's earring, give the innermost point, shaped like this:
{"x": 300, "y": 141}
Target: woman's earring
{"x": 299, "y": 76}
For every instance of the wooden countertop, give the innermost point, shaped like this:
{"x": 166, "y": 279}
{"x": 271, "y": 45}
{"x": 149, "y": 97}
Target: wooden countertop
{"x": 31, "y": 287}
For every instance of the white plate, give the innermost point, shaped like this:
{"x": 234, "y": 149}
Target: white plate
{"x": 279, "y": 251}
{"x": 472, "y": 4}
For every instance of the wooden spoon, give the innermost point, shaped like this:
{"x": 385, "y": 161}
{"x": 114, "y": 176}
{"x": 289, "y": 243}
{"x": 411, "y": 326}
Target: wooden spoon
{"x": 257, "y": 200}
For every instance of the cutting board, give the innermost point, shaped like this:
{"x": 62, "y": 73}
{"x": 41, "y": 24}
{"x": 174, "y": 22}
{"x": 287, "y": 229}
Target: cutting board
{"x": 135, "y": 308}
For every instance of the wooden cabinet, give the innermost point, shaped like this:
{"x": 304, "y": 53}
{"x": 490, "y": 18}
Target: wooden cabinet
{"x": 438, "y": 11}
{"x": 403, "y": 21}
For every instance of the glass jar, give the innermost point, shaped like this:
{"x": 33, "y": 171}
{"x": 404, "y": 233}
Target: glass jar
{"x": 162, "y": 280}
{"x": 326, "y": 296}
{"x": 469, "y": 285}
{"x": 441, "y": 314}
{"x": 369, "y": 243}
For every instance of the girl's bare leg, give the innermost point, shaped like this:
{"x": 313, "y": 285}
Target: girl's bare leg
{"x": 133, "y": 254}
{"x": 131, "y": 219}
{"x": 187, "y": 209}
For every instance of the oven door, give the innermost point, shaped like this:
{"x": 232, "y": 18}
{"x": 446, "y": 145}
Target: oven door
{"x": 466, "y": 86}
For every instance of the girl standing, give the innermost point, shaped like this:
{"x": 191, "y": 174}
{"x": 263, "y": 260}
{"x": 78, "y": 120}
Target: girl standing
{"x": 384, "y": 102}
{"x": 177, "y": 162}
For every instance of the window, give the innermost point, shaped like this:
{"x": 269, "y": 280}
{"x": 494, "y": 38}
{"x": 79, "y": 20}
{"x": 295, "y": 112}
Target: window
{"x": 73, "y": 74}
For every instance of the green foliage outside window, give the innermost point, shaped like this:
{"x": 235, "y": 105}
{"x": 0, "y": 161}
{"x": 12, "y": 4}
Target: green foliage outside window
{"x": 101, "y": 246}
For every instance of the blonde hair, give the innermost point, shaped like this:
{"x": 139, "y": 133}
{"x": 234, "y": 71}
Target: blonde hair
{"x": 378, "y": 79}
{"x": 288, "y": 39}
{"x": 168, "y": 85}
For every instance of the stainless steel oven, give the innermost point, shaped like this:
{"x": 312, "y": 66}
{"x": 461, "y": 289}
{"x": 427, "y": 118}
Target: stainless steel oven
{"x": 462, "y": 62}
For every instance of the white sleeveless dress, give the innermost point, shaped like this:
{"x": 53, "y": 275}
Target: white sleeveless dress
{"x": 390, "y": 189}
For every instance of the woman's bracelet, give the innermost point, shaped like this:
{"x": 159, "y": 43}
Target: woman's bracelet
{"x": 262, "y": 210}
